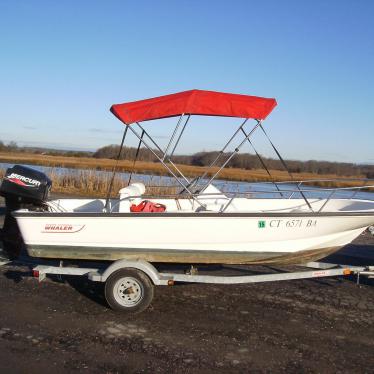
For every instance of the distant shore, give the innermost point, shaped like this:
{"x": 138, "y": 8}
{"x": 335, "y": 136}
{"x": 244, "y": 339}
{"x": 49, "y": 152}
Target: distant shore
{"x": 229, "y": 174}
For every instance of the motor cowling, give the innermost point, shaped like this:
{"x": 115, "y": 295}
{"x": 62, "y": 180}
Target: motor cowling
{"x": 22, "y": 187}
{"x": 25, "y": 185}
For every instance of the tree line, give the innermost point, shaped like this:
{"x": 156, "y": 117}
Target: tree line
{"x": 243, "y": 161}
{"x": 13, "y": 147}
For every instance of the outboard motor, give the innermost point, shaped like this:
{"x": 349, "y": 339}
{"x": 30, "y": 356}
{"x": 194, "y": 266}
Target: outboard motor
{"x": 22, "y": 188}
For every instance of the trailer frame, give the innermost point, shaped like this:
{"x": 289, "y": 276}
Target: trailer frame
{"x": 100, "y": 274}
{"x": 143, "y": 276}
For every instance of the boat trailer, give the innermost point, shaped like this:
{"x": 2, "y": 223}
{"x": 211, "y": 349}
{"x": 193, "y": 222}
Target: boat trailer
{"x": 129, "y": 284}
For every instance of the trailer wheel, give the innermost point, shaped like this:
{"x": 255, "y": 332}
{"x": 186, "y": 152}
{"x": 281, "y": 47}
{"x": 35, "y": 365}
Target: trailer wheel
{"x": 129, "y": 290}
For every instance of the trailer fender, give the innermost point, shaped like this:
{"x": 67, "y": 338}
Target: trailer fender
{"x": 141, "y": 265}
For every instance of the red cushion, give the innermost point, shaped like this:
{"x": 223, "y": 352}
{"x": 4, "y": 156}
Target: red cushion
{"x": 147, "y": 206}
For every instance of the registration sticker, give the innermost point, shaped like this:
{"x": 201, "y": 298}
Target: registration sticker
{"x": 261, "y": 224}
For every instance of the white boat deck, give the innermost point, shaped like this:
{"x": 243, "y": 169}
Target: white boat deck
{"x": 213, "y": 201}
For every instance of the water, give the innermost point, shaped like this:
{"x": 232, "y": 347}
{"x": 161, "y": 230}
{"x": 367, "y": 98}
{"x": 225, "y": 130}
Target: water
{"x": 268, "y": 190}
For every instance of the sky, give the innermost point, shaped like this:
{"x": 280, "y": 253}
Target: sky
{"x": 64, "y": 63}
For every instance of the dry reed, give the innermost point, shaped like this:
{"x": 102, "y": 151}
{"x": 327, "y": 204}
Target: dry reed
{"x": 234, "y": 174}
{"x": 89, "y": 182}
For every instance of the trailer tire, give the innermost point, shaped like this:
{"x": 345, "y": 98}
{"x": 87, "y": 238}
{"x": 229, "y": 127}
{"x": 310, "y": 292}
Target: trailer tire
{"x": 129, "y": 290}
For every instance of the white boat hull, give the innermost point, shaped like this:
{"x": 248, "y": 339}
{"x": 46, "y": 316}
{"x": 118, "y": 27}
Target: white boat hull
{"x": 194, "y": 237}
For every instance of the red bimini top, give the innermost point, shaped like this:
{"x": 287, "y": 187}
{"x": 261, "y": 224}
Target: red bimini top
{"x": 198, "y": 102}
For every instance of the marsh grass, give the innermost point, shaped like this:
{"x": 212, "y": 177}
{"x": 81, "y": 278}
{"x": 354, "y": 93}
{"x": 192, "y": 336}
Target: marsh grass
{"x": 89, "y": 163}
{"x": 88, "y": 182}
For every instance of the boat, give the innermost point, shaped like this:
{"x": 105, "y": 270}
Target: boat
{"x": 200, "y": 223}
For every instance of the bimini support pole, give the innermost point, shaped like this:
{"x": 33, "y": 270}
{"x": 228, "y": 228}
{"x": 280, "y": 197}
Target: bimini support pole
{"x": 286, "y": 167}
{"x": 172, "y": 136}
{"x": 114, "y": 171}
{"x": 236, "y": 151}
{"x": 162, "y": 157}
{"x": 136, "y": 158}
{"x": 163, "y": 163}
{"x": 221, "y": 152}
{"x": 262, "y": 163}
{"x": 169, "y": 157}
{"x": 179, "y": 137}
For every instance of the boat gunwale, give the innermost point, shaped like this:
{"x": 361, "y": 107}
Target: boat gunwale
{"x": 17, "y": 214}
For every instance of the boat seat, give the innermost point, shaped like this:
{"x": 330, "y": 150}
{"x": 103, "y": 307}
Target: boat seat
{"x": 91, "y": 206}
{"x": 212, "y": 198}
{"x": 130, "y": 195}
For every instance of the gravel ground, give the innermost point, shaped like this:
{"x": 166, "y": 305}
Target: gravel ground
{"x": 294, "y": 326}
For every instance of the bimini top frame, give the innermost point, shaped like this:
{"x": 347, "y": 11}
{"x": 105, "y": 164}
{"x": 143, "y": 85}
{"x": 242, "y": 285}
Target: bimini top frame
{"x": 196, "y": 102}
